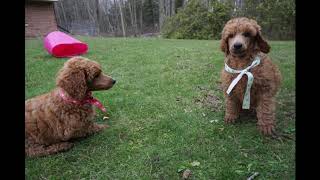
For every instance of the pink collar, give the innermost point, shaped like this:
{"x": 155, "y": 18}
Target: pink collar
{"x": 89, "y": 99}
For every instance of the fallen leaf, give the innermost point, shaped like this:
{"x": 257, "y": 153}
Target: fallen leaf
{"x": 195, "y": 163}
{"x": 213, "y": 121}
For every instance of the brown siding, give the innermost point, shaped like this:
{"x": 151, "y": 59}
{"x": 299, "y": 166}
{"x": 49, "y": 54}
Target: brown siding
{"x": 40, "y": 19}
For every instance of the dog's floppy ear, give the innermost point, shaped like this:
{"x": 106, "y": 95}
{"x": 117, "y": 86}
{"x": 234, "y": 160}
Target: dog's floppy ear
{"x": 261, "y": 42}
{"x": 73, "y": 81}
{"x": 224, "y": 43}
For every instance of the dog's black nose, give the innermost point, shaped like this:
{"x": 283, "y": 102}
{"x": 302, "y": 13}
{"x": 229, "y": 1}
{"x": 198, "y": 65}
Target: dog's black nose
{"x": 114, "y": 81}
{"x": 237, "y": 46}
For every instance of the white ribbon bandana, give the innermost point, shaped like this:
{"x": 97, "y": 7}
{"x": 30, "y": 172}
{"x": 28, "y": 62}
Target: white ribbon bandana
{"x": 246, "y": 99}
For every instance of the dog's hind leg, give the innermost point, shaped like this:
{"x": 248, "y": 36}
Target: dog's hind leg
{"x": 37, "y": 150}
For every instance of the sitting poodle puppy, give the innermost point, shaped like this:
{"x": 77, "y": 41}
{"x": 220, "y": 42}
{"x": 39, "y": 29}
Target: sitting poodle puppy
{"x": 249, "y": 79}
{"x": 65, "y": 113}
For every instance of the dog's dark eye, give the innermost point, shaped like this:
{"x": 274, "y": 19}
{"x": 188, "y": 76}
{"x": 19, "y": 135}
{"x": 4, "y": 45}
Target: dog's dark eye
{"x": 95, "y": 76}
{"x": 246, "y": 34}
{"x": 231, "y": 35}
{"x": 91, "y": 80}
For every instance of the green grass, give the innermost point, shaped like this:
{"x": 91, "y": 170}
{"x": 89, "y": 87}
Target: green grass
{"x": 166, "y": 111}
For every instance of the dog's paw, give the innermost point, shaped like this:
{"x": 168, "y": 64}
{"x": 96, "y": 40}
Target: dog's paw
{"x": 65, "y": 146}
{"x": 230, "y": 119}
{"x": 100, "y": 127}
{"x": 266, "y": 129}
{"x": 104, "y": 126}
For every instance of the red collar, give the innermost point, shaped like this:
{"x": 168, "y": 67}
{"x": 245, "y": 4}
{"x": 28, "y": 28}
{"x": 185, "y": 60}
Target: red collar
{"x": 89, "y": 99}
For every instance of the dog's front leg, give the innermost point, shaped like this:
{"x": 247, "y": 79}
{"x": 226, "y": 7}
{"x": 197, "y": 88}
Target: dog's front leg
{"x": 266, "y": 114}
{"x": 94, "y": 128}
{"x": 232, "y": 109}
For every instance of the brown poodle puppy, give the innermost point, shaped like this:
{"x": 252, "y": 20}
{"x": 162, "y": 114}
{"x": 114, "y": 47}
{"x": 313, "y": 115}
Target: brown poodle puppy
{"x": 242, "y": 42}
{"x": 65, "y": 113}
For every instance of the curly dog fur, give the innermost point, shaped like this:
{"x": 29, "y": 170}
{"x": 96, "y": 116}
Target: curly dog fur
{"x": 51, "y": 122}
{"x": 241, "y": 41}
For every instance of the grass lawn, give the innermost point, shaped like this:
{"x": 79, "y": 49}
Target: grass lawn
{"x": 166, "y": 114}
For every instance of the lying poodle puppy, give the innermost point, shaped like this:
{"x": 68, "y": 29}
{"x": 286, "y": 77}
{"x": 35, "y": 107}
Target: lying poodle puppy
{"x": 65, "y": 113}
{"x": 249, "y": 79}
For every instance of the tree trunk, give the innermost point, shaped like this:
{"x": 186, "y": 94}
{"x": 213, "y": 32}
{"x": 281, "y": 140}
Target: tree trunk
{"x": 131, "y": 16}
{"x": 116, "y": 19}
{"x": 166, "y": 8}
{"x": 141, "y": 17}
{"x": 173, "y": 8}
{"x": 98, "y": 17}
{"x": 122, "y": 19}
{"x": 109, "y": 26}
{"x": 135, "y": 17}
{"x": 161, "y": 13}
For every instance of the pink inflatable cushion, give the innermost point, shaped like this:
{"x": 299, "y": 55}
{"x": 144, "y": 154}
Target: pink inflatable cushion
{"x": 60, "y": 44}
